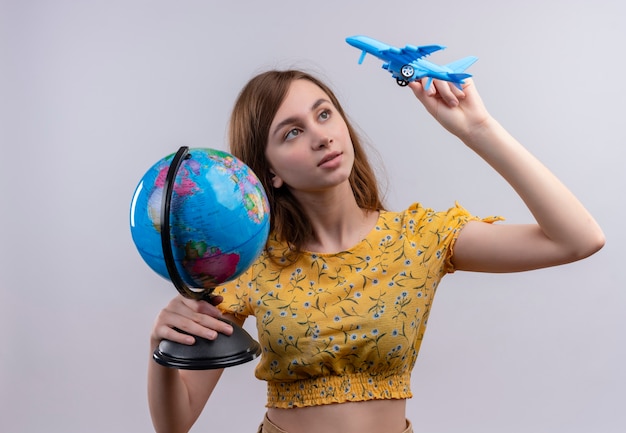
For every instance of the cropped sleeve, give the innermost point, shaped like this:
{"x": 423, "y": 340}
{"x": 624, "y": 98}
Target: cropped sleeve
{"x": 456, "y": 218}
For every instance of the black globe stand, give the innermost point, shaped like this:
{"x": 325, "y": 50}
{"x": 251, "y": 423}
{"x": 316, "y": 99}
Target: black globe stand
{"x": 225, "y": 350}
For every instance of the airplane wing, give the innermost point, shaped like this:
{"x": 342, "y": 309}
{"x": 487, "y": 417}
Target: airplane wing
{"x": 388, "y": 53}
{"x": 421, "y": 51}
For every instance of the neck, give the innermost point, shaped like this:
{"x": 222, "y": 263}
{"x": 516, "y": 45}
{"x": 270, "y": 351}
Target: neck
{"x": 338, "y": 222}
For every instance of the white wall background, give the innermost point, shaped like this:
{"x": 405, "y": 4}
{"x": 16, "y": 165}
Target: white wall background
{"x": 92, "y": 93}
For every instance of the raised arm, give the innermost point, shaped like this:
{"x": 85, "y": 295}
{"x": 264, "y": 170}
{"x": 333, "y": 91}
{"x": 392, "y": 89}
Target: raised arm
{"x": 564, "y": 230}
{"x": 177, "y": 397}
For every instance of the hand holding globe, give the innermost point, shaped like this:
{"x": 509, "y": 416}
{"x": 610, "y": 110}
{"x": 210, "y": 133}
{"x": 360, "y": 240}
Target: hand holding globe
{"x": 200, "y": 218}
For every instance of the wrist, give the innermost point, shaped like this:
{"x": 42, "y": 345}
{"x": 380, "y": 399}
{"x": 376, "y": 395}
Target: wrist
{"x": 482, "y": 133}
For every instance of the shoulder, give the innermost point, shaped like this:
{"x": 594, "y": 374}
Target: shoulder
{"x": 418, "y": 215}
{"x": 425, "y": 224}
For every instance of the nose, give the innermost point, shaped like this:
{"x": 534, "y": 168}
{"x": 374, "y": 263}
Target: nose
{"x": 320, "y": 134}
{"x": 323, "y": 143}
{"x": 321, "y": 139}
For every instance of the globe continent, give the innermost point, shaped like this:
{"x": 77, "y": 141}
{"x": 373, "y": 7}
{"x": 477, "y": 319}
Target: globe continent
{"x": 219, "y": 217}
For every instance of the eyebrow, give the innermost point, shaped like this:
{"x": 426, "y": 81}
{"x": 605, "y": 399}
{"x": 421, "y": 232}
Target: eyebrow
{"x": 293, "y": 119}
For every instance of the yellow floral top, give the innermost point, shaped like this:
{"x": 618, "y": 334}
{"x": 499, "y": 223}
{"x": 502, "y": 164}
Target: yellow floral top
{"x": 348, "y": 326}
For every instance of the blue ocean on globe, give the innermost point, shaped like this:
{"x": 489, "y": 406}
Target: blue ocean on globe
{"x": 219, "y": 217}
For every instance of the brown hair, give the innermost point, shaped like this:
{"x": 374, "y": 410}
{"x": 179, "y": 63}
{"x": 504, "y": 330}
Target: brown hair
{"x": 249, "y": 127}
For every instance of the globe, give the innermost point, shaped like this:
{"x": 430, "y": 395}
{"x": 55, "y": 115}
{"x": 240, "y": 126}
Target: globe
{"x": 219, "y": 217}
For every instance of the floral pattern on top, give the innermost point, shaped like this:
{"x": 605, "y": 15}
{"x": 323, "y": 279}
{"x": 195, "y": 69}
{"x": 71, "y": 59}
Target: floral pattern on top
{"x": 347, "y": 326}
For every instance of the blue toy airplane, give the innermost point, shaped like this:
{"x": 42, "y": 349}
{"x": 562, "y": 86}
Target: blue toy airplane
{"x": 407, "y": 64}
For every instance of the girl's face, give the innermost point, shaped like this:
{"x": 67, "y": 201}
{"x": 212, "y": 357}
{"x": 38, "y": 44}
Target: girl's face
{"x": 309, "y": 147}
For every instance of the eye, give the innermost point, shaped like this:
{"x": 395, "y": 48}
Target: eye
{"x": 325, "y": 115}
{"x": 292, "y": 133}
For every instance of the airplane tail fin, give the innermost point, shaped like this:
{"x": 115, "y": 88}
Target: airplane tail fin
{"x": 458, "y": 68}
{"x": 457, "y": 79}
{"x": 461, "y": 65}
{"x": 454, "y": 78}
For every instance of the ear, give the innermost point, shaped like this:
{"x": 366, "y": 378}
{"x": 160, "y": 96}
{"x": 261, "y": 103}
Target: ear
{"x": 277, "y": 181}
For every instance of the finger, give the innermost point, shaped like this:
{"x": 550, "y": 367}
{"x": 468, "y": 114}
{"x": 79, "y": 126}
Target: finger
{"x": 418, "y": 89}
{"x": 207, "y": 316}
{"x": 446, "y": 92}
{"x": 428, "y": 89}
{"x": 195, "y": 317}
{"x": 215, "y": 324}
{"x": 204, "y": 306}
{"x": 167, "y": 333}
{"x": 196, "y": 324}
{"x": 430, "y": 103}
{"x": 168, "y": 326}
{"x": 208, "y": 306}
{"x": 460, "y": 94}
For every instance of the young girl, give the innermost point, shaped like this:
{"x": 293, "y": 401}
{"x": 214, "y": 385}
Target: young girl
{"x": 342, "y": 292}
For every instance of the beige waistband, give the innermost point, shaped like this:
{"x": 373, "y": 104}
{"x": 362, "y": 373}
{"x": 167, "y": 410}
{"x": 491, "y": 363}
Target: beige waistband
{"x": 269, "y": 427}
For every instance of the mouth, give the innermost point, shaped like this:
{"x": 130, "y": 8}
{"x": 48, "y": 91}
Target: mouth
{"x": 329, "y": 157}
